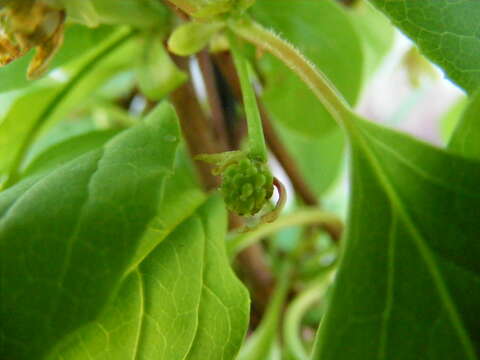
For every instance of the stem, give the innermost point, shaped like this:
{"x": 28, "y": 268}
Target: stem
{"x": 296, "y": 311}
{"x": 303, "y": 217}
{"x": 195, "y": 125}
{"x": 56, "y": 101}
{"x": 213, "y": 98}
{"x": 314, "y": 78}
{"x": 258, "y": 149}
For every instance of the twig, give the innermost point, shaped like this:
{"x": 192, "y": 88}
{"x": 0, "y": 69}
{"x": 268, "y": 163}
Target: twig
{"x": 214, "y": 101}
{"x": 195, "y": 125}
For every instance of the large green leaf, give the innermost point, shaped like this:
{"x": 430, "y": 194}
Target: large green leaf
{"x": 466, "y": 137}
{"x": 78, "y": 40}
{"x": 408, "y": 283}
{"x": 67, "y": 239}
{"x": 106, "y": 257}
{"x": 446, "y": 31}
{"x": 325, "y": 33}
{"x": 170, "y": 306}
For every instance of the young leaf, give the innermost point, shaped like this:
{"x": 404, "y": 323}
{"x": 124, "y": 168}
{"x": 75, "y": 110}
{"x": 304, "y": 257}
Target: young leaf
{"x": 408, "y": 281}
{"x": 445, "y": 30}
{"x": 325, "y": 33}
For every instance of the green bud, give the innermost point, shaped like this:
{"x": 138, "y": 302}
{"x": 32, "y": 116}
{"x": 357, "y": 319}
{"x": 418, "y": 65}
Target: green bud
{"x": 189, "y": 38}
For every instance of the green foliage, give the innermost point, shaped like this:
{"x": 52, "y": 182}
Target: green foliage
{"x": 69, "y": 247}
{"x": 86, "y": 279}
{"x": 376, "y": 34}
{"x": 408, "y": 278}
{"x": 451, "y": 118}
{"x": 157, "y": 75}
{"x": 138, "y": 13}
{"x": 445, "y": 31}
{"x": 27, "y": 111}
{"x": 78, "y": 40}
{"x": 464, "y": 140}
{"x": 318, "y": 158}
{"x": 115, "y": 245}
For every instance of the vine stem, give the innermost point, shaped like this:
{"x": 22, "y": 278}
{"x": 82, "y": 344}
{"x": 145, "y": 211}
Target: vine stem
{"x": 258, "y": 149}
{"x": 318, "y": 82}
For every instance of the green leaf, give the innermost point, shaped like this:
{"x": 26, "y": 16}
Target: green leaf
{"x": 446, "y": 31}
{"x": 325, "y": 33}
{"x": 466, "y": 137}
{"x": 67, "y": 150}
{"x": 451, "y": 118}
{"x": 88, "y": 218}
{"x": 223, "y": 315}
{"x": 170, "y": 307}
{"x": 157, "y": 74}
{"x": 138, "y": 13}
{"x": 376, "y": 33}
{"x": 110, "y": 260}
{"x": 319, "y": 159}
{"x": 29, "y": 110}
{"x": 79, "y": 40}
{"x": 408, "y": 281}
